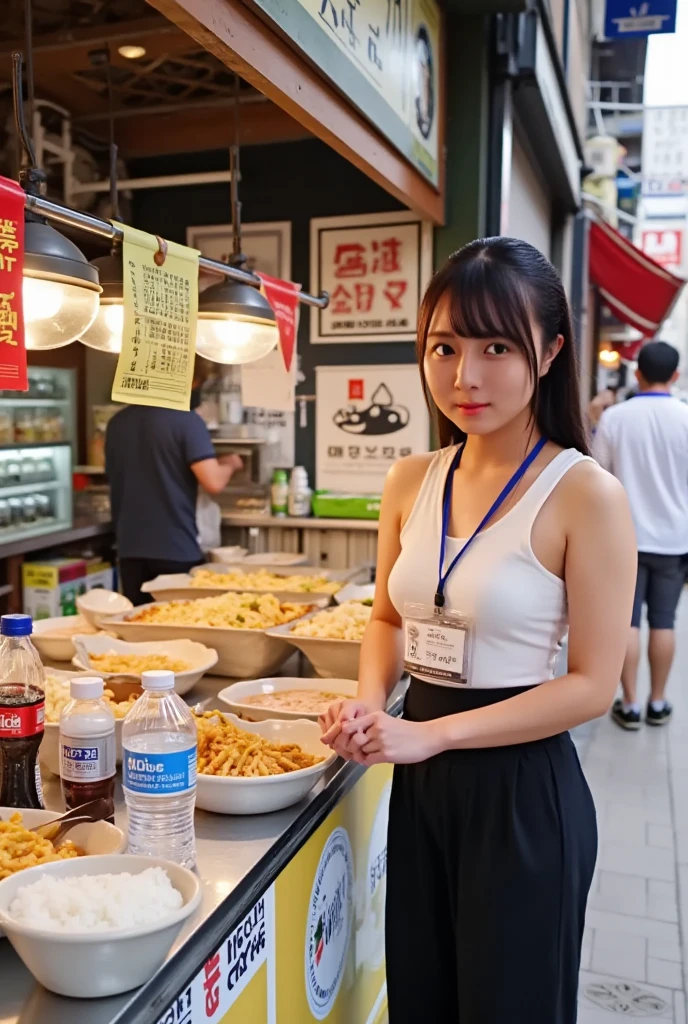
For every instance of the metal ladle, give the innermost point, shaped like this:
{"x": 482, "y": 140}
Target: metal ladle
{"x": 54, "y": 831}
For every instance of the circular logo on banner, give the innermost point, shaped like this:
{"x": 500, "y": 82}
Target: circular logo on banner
{"x": 328, "y": 928}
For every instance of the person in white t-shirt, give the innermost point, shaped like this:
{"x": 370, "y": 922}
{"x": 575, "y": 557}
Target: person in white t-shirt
{"x": 644, "y": 443}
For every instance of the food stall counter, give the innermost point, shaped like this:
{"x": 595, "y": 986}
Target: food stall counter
{"x": 254, "y": 950}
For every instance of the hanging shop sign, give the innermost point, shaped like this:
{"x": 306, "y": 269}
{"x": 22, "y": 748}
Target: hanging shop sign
{"x": 626, "y": 19}
{"x": 384, "y": 56}
{"x": 665, "y": 151}
{"x": 156, "y": 364}
{"x": 664, "y": 246}
{"x": 376, "y": 268}
{"x": 13, "y": 375}
{"x": 313, "y": 946}
{"x": 367, "y": 417}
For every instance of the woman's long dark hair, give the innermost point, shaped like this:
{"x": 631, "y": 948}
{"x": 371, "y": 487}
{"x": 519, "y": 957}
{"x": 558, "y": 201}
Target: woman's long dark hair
{"x": 495, "y": 286}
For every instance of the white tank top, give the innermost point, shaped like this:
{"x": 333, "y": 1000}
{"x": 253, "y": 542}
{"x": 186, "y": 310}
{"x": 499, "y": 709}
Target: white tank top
{"x": 518, "y": 607}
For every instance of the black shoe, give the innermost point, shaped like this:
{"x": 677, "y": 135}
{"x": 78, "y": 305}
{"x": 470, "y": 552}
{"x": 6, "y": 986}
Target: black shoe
{"x": 658, "y": 717}
{"x": 626, "y": 719}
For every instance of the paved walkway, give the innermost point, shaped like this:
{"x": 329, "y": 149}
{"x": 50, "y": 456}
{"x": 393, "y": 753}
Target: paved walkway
{"x": 635, "y": 953}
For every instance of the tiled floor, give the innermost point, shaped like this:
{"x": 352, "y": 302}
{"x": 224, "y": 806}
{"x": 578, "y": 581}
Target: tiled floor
{"x": 635, "y": 953}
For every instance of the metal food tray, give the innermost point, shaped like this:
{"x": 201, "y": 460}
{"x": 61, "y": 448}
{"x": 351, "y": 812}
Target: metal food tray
{"x": 331, "y": 659}
{"x": 241, "y": 653}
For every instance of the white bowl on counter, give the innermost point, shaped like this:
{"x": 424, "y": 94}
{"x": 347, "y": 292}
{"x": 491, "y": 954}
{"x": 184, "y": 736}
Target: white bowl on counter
{"x": 200, "y": 658}
{"x": 234, "y": 696}
{"x": 95, "y": 605}
{"x": 89, "y": 965}
{"x": 226, "y": 555}
{"x": 54, "y": 638}
{"x": 241, "y": 653}
{"x": 179, "y": 587}
{"x": 331, "y": 659}
{"x": 236, "y": 795}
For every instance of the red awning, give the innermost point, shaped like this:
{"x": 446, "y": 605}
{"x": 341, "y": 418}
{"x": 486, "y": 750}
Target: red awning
{"x": 637, "y": 289}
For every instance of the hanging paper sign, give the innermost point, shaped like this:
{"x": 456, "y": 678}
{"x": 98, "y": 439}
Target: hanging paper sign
{"x": 155, "y": 366}
{"x": 12, "y": 343}
{"x": 283, "y": 296}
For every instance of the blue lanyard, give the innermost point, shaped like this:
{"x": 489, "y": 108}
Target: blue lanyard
{"x": 446, "y": 511}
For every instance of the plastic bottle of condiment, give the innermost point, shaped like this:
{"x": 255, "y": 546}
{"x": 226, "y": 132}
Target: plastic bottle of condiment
{"x": 87, "y": 747}
{"x": 159, "y": 744}
{"x": 22, "y": 713}
{"x": 279, "y": 493}
{"x": 299, "y": 492}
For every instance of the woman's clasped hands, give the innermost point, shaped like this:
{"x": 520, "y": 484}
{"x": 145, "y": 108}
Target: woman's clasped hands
{"x": 369, "y": 736}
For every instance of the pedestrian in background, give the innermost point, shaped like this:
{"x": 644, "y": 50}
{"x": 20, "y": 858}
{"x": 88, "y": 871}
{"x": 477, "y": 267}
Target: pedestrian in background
{"x": 644, "y": 443}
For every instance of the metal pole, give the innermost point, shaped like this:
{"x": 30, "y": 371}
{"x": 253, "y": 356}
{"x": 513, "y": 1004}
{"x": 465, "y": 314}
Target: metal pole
{"x": 104, "y": 229}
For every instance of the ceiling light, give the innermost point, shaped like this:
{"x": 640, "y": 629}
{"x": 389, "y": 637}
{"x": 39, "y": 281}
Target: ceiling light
{"x": 60, "y": 289}
{"x": 131, "y": 52}
{"x": 105, "y": 333}
{"x": 609, "y": 357}
{"x": 236, "y": 324}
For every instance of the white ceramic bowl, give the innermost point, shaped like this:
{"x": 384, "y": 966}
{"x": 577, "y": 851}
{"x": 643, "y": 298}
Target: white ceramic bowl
{"x": 331, "y": 659}
{"x": 234, "y": 696}
{"x": 95, "y": 838}
{"x": 227, "y": 554}
{"x": 241, "y": 653}
{"x": 57, "y": 648}
{"x": 97, "y": 604}
{"x": 88, "y": 965}
{"x": 200, "y": 658}
{"x": 355, "y": 592}
{"x": 271, "y": 792}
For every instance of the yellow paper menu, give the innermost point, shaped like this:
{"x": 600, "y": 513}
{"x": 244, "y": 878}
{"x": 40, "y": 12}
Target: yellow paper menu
{"x": 156, "y": 364}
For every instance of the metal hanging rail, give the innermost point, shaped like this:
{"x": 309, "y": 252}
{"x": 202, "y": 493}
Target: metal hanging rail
{"x": 104, "y": 229}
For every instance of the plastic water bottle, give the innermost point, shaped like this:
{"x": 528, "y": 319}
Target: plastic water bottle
{"x": 159, "y": 744}
{"x": 87, "y": 747}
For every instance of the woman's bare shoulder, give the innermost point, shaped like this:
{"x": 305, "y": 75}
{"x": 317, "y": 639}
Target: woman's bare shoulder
{"x": 589, "y": 490}
{"x": 408, "y": 473}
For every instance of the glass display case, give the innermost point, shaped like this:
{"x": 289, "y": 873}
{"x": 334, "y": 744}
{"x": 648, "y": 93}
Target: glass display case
{"x": 36, "y": 437}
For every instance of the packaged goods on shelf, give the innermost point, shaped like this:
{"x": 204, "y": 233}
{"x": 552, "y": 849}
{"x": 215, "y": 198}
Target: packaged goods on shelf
{"x": 328, "y": 505}
{"x": 52, "y": 587}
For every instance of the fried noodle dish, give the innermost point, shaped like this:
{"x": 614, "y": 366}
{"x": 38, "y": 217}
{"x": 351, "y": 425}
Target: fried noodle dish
{"x": 230, "y": 611}
{"x": 20, "y": 848}
{"x": 229, "y": 752}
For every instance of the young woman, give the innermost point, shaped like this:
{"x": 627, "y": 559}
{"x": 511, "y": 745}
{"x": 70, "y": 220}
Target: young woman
{"x": 488, "y": 551}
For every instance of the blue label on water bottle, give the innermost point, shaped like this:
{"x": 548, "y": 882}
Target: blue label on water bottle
{"x": 159, "y": 774}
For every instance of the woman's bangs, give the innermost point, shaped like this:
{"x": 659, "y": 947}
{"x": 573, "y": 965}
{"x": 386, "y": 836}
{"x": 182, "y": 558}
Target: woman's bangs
{"x": 486, "y": 301}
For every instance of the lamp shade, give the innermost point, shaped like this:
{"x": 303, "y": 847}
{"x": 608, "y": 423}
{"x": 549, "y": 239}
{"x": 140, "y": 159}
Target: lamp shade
{"x": 105, "y": 333}
{"x": 236, "y": 324}
{"x": 60, "y": 288}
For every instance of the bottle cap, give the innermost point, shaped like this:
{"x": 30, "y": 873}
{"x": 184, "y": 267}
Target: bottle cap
{"x": 157, "y": 679}
{"x": 86, "y": 689}
{"x": 16, "y": 625}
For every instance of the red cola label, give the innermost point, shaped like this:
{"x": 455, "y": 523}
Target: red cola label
{"x": 22, "y": 721}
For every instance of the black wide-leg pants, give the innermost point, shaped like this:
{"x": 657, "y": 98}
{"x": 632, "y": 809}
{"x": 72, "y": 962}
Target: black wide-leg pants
{"x": 489, "y": 862}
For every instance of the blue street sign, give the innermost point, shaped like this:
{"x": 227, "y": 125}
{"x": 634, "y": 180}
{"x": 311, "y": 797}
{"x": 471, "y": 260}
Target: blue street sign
{"x": 628, "y": 19}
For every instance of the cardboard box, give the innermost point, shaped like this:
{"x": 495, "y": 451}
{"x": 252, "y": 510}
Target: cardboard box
{"x": 99, "y": 574}
{"x": 327, "y": 504}
{"x": 52, "y": 587}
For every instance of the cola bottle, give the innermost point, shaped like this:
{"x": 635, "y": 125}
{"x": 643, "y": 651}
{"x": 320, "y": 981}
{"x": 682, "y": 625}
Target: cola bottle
{"x": 22, "y": 713}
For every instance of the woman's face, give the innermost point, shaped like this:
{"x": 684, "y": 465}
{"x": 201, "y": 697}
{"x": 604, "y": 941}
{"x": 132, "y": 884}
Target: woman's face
{"x": 479, "y": 384}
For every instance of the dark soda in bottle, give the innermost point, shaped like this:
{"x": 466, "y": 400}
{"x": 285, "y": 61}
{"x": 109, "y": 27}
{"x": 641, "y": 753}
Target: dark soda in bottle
{"x": 87, "y": 747}
{"x": 22, "y": 713}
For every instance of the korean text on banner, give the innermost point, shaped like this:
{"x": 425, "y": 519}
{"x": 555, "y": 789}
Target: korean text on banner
{"x": 12, "y": 342}
{"x": 156, "y": 364}
{"x": 283, "y": 296}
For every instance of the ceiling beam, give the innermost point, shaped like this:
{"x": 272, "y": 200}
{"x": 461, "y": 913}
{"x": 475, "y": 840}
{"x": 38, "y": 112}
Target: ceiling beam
{"x": 238, "y": 37}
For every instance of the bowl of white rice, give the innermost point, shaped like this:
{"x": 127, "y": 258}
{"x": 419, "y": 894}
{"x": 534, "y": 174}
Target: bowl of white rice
{"x": 97, "y": 926}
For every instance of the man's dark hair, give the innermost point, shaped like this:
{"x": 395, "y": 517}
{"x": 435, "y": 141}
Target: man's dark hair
{"x": 657, "y": 362}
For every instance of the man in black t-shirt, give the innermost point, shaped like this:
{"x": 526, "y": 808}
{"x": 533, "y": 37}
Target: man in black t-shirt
{"x": 155, "y": 459}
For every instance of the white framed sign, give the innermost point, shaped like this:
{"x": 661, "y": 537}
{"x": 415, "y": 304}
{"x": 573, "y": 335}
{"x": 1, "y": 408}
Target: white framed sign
{"x": 367, "y": 417}
{"x": 376, "y": 268}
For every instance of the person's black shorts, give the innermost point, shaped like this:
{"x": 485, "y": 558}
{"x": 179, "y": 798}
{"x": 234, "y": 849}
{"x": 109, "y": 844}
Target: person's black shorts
{"x": 659, "y": 585}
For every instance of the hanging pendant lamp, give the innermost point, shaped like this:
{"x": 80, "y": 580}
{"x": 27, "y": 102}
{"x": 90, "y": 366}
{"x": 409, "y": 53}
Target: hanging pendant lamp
{"x": 236, "y": 323}
{"x": 105, "y": 333}
{"x": 60, "y": 288}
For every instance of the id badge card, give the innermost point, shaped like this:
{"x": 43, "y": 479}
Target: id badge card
{"x": 438, "y": 644}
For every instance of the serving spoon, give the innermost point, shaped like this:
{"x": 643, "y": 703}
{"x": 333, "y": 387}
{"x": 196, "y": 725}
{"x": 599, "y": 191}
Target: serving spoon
{"x": 55, "y": 830}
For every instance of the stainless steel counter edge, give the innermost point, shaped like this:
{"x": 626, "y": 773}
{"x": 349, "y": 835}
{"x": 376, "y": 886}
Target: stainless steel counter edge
{"x": 152, "y": 1000}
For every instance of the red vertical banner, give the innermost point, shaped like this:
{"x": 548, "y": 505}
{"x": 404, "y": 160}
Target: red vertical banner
{"x": 12, "y": 345}
{"x": 283, "y": 296}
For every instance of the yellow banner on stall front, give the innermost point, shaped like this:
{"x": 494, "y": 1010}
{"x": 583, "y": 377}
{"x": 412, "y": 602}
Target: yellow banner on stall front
{"x": 156, "y": 364}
